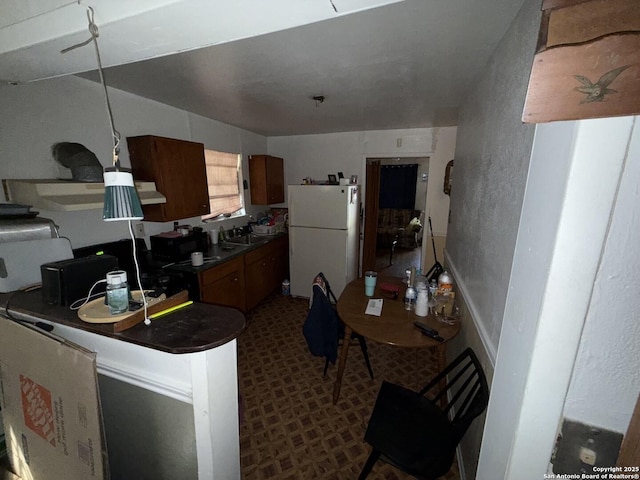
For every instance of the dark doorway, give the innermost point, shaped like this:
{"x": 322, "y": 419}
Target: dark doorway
{"x": 374, "y": 258}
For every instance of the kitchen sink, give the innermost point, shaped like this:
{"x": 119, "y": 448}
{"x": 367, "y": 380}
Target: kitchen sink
{"x": 247, "y": 239}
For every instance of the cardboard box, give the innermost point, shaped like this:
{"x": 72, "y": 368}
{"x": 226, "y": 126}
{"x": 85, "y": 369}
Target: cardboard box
{"x": 50, "y": 406}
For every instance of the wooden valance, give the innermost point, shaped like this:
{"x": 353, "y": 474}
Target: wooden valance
{"x": 587, "y": 62}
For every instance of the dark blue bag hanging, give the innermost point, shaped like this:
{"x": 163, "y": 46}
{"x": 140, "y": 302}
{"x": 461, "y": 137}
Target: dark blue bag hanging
{"x": 321, "y": 326}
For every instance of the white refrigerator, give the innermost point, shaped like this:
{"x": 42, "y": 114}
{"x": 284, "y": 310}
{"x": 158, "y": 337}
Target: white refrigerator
{"x": 324, "y": 236}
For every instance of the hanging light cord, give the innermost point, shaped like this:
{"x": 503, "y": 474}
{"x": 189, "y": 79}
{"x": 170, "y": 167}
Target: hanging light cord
{"x": 93, "y": 30}
{"x": 147, "y": 321}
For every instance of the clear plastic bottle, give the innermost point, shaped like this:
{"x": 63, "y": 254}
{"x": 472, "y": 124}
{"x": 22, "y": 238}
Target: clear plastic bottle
{"x": 410, "y": 298}
{"x": 411, "y": 293}
{"x": 422, "y": 303}
{"x": 445, "y": 282}
{"x": 117, "y": 292}
{"x": 433, "y": 287}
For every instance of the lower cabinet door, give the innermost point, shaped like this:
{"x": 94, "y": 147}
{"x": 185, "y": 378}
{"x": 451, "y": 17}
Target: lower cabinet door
{"x": 224, "y": 285}
{"x": 257, "y": 281}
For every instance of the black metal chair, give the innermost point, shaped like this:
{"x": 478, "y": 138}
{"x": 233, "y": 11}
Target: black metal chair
{"x": 418, "y": 432}
{"x": 323, "y": 328}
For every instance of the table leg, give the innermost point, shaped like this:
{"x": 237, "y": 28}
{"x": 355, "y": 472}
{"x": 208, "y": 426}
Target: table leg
{"x": 342, "y": 361}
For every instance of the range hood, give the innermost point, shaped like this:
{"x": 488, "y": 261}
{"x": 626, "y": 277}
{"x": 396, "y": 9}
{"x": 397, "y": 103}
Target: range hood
{"x": 68, "y": 196}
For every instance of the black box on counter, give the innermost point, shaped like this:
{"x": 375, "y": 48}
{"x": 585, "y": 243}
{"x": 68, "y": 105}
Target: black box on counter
{"x": 66, "y": 281}
{"x": 174, "y": 246}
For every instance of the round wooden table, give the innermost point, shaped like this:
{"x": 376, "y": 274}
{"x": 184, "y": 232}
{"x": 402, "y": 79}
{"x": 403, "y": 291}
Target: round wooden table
{"x": 393, "y": 327}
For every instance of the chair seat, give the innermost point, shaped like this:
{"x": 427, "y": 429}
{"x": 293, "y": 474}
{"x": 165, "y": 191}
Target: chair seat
{"x": 409, "y": 430}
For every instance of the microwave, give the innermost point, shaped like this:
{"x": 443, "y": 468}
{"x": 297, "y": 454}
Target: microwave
{"x": 176, "y": 248}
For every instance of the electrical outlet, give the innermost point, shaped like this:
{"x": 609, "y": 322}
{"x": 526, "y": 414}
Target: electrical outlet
{"x": 580, "y": 446}
{"x": 138, "y": 229}
{"x": 587, "y": 456}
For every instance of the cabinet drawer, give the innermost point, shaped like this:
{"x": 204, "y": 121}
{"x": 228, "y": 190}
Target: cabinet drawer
{"x": 218, "y": 272}
{"x": 261, "y": 252}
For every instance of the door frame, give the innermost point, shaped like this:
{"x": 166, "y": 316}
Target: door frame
{"x": 371, "y": 202}
{"x": 372, "y": 168}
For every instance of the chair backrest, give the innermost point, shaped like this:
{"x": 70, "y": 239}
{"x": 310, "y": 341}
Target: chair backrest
{"x": 322, "y": 280}
{"x": 465, "y": 393}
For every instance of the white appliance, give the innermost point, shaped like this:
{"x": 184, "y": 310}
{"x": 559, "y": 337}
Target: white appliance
{"x": 323, "y": 236}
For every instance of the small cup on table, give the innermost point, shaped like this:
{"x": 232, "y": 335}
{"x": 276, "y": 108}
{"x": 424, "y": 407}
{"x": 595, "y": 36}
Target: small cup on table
{"x": 370, "y": 278}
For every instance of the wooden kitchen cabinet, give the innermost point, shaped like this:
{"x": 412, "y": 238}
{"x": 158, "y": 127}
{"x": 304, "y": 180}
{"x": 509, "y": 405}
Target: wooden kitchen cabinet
{"x": 266, "y": 176}
{"x": 265, "y": 268}
{"x": 178, "y": 169}
{"x": 246, "y": 280}
{"x": 224, "y": 284}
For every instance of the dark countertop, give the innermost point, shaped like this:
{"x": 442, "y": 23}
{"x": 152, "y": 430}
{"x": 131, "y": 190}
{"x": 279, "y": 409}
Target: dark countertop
{"x": 211, "y": 256}
{"x": 195, "y": 328}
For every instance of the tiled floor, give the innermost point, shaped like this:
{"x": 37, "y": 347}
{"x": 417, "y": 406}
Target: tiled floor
{"x": 402, "y": 259}
{"x": 291, "y": 430}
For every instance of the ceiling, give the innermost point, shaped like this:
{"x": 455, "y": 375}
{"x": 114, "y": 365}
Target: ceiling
{"x": 405, "y": 64}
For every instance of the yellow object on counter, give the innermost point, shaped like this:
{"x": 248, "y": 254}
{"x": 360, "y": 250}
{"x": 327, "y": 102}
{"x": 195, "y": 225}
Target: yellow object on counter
{"x": 169, "y": 310}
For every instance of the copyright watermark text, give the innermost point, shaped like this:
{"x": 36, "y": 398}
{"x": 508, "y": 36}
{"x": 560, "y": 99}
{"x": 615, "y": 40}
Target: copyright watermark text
{"x": 599, "y": 473}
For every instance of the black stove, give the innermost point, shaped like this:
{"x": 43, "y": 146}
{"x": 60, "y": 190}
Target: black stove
{"x": 152, "y": 275}
{"x": 165, "y": 282}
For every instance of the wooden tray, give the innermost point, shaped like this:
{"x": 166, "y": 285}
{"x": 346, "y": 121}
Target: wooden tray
{"x": 97, "y": 312}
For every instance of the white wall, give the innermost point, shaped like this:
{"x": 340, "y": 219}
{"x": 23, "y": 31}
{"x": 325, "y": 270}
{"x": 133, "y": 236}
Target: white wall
{"x": 607, "y": 363}
{"x": 567, "y": 207}
{"x": 316, "y": 156}
{"x": 72, "y": 109}
{"x": 444, "y": 149}
{"x": 489, "y": 177}
{"x": 490, "y": 172}
{"x": 541, "y": 240}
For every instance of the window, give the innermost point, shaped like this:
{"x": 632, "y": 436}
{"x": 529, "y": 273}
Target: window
{"x": 224, "y": 178}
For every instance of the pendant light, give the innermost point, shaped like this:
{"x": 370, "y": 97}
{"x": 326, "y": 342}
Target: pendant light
{"x": 121, "y": 200}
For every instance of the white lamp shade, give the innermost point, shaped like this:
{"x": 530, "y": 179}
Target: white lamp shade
{"x": 121, "y": 200}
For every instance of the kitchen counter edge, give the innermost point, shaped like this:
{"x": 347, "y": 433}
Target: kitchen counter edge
{"x": 195, "y": 328}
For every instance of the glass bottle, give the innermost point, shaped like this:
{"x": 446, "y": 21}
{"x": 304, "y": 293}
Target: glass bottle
{"x": 117, "y": 292}
{"x": 411, "y": 293}
{"x": 410, "y": 298}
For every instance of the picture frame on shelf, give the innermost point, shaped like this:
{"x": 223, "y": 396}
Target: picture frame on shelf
{"x": 332, "y": 180}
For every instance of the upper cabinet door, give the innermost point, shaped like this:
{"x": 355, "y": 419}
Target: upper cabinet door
{"x": 178, "y": 169}
{"x": 266, "y": 175}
